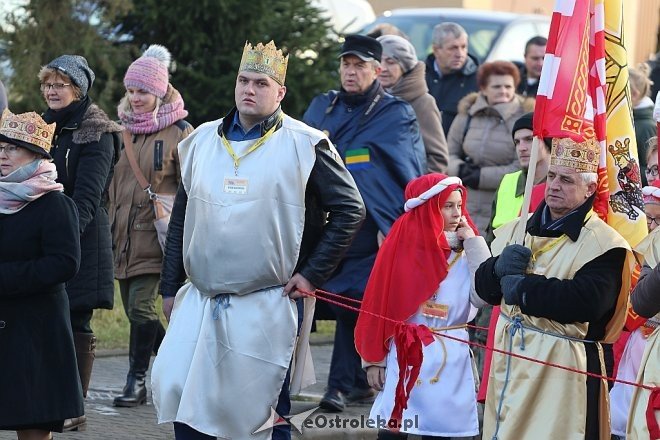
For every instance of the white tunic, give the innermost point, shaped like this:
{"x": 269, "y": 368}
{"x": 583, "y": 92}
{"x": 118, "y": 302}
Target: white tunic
{"x": 448, "y": 407}
{"x": 621, "y": 394}
{"x": 222, "y": 363}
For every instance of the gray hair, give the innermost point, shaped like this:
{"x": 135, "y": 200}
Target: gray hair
{"x": 447, "y": 29}
{"x": 589, "y": 178}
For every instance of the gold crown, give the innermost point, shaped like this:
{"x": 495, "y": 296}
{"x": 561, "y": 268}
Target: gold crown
{"x": 583, "y": 157}
{"x": 27, "y": 128}
{"x": 266, "y": 59}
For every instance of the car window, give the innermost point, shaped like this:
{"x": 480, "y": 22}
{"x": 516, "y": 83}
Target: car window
{"x": 511, "y": 46}
{"x": 419, "y": 30}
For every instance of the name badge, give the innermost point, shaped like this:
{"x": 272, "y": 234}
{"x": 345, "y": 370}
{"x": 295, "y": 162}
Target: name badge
{"x": 234, "y": 185}
{"x": 432, "y": 309}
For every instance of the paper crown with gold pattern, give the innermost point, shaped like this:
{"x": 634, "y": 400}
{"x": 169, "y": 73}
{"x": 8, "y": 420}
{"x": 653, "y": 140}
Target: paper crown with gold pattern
{"x": 583, "y": 157}
{"x": 27, "y": 130}
{"x": 266, "y": 59}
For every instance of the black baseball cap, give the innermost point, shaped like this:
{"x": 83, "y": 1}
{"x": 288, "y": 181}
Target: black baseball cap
{"x": 366, "y": 48}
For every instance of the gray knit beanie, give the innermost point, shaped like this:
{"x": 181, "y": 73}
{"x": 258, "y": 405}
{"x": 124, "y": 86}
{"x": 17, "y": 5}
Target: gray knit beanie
{"x": 76, "y": 68}
{"x": 400, "y": 49}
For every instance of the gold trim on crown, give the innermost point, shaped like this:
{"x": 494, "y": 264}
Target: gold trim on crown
{"x": 27, "y": 127}
{"x": 266, "y": 59}
{"x": 583, "y": 157}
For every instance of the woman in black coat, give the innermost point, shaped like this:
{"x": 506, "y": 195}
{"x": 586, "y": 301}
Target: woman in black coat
{"x": 85, "y": 149}
{"x": 40, "y": 251}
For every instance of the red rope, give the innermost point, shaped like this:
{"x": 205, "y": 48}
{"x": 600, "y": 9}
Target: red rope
{"x": 357, "y": 301}
{"x": 496, "y": 350}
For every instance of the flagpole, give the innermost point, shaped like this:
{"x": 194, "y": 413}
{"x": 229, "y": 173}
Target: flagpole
{"x": 519, "y": 238}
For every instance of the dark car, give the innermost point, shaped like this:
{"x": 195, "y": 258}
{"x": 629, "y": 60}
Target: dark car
{"x": 491, "y": 35}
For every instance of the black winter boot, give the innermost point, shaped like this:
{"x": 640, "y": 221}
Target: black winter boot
{"x": 141, "y": 345}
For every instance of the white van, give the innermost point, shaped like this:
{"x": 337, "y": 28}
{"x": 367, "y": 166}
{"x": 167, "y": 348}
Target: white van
{"x": 346, "y": 16}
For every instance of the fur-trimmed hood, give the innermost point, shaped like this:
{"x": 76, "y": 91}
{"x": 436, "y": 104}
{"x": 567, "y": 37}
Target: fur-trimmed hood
{"x": 94, "y": 123}
{"x": 475, "y": 103}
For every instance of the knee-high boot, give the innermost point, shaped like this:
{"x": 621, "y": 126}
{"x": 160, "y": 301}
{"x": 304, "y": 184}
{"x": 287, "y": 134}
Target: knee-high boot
{"x": 141, "y": 345}
{"x": 85, "y": 344}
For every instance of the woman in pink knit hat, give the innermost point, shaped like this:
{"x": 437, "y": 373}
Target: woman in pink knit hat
{"x": 152, "y": 112}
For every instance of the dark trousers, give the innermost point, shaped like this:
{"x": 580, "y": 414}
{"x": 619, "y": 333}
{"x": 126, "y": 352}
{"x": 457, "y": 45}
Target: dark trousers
{"x": 283, "y": 408}
{"x": 384, "y": 434}
{"x": 81, "y": 321}
{"x": 346, "y": 371}
{"x": 185, "y": 432}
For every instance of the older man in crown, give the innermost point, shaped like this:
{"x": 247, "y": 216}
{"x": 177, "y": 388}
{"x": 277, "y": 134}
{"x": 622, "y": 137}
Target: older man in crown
{"x": 265, "y": 211}
{"x": 562, "y": 295}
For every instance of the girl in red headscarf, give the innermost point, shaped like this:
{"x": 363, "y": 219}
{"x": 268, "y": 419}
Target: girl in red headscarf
{"x": 424, "y": 276}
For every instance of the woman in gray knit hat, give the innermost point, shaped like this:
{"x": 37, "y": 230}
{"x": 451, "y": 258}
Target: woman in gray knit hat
{"x": 403, "y": 75}
{"x": 85, "y": 148}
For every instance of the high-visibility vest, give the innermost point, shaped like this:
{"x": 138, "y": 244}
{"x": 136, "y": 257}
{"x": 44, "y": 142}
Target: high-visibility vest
{"x": 508, "y": 204}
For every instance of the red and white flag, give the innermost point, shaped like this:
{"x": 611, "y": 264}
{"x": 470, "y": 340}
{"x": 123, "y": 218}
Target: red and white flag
{"x": 563, "y": 102}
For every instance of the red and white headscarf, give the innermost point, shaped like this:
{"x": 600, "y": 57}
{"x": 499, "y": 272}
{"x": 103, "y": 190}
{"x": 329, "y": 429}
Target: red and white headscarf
{"x": 651, "y": 193}
{"x": 410, "y": 264}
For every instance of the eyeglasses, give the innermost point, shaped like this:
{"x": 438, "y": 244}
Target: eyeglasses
{"x": 650, "y": 220}
{"x": 8, "y": 149}
{"x": 55, "y": 86}
{"x": 653, "y": 171}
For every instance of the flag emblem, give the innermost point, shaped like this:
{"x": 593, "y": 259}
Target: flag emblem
{"x": 358, "y": 159}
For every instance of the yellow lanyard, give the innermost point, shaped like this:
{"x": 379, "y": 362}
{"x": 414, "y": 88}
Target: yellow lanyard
{"x": 451, "y": 263}
{"x": 262, "y": 140}
{"x": 547, "y": 247}
{"x": 554, "y": 243}
{"x": 455, "y": 259}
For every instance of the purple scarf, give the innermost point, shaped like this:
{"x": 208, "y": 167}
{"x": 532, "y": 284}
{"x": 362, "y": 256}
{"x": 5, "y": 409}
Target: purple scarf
{"x": 170, "y": 111}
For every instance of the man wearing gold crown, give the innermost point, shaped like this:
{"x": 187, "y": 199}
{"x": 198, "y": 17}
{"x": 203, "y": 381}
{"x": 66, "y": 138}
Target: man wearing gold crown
{"x": 265, "y": 208}
{"x": 562, "y": 295}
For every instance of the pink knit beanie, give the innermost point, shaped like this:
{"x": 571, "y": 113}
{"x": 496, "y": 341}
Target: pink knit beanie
{"x": 149, "y": 72}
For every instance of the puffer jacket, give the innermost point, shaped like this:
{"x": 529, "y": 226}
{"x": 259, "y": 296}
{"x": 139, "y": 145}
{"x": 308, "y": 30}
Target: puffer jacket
{"x": 488, "y": 143}
{"x": 134, "y": 237}
{"x": 85, "y": 152}
{"x": 412, "y": 88}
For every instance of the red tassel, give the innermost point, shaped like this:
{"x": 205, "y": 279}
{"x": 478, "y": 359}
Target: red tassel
{"x": 408, "y": 339}
{"x": 651, "y": 421}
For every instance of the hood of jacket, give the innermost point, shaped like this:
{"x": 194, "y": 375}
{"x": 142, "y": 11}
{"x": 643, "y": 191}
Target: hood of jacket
{"x": 412, "y": 85}
{"x": 475, "y": 104}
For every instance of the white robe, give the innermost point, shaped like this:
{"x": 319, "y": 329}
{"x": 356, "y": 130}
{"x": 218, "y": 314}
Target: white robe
{"x": 621, "y": 394}
{"x": 448, "y": 407}
{"x": 224, "y": 358}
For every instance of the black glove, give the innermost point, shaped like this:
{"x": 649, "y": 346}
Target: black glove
{"x": 513, "y": 260}
{"x": 469, "y": 173}
{"x": 510, "y": 285}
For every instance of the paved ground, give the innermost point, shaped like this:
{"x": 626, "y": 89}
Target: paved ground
{"x": 107, "y": 422}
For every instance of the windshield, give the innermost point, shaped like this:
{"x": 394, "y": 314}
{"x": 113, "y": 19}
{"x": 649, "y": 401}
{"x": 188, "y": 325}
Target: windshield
{"x": 419, "y": 29}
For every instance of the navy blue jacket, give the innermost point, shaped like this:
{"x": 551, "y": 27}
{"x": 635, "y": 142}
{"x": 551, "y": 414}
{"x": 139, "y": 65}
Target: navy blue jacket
{"x": 378, "y": 138}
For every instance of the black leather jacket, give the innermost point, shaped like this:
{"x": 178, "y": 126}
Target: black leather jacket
{"x": 334, "y": 213}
